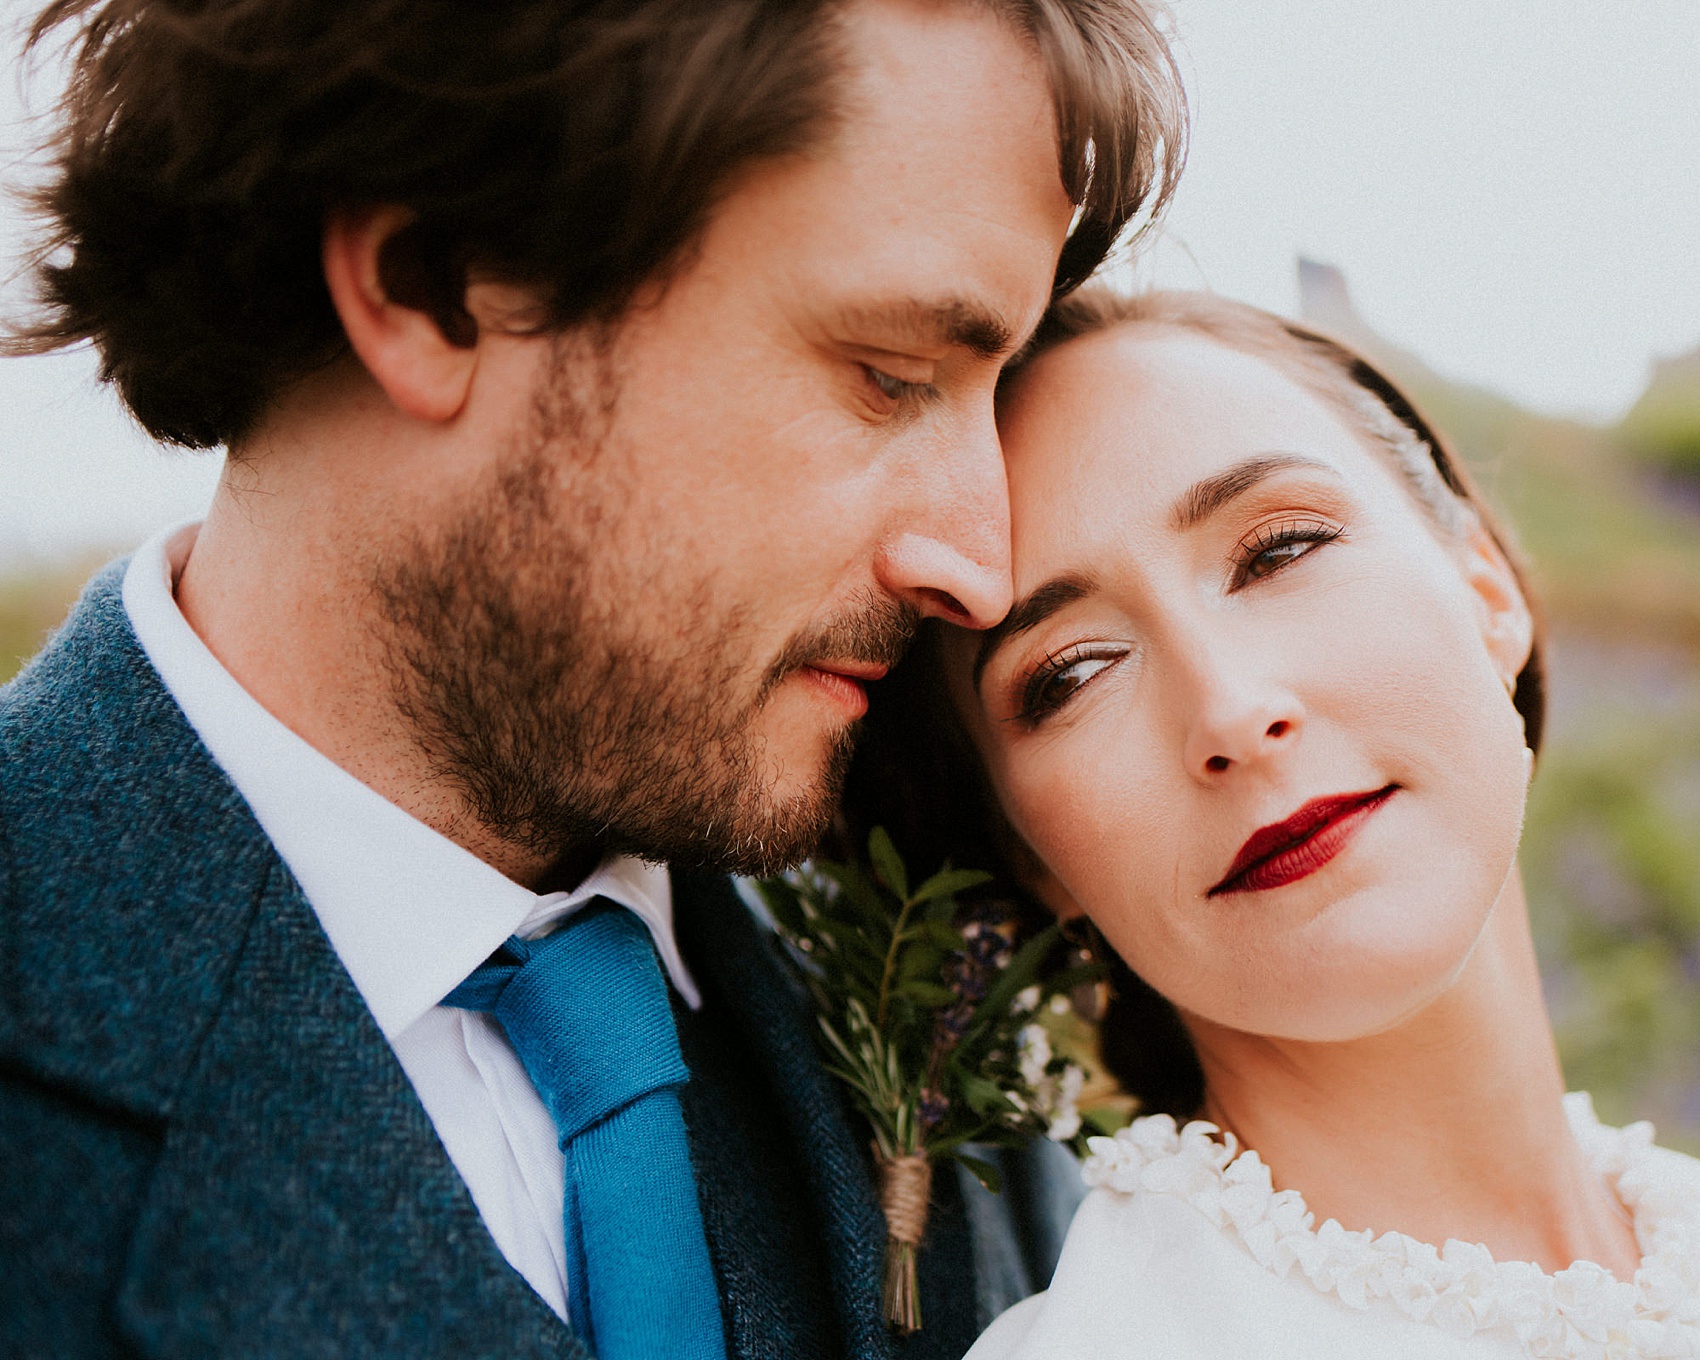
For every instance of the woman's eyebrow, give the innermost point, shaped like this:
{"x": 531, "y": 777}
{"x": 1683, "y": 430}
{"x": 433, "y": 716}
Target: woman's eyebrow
{"x": 1030, "y": 611}
{"x": 1210, "y": 495}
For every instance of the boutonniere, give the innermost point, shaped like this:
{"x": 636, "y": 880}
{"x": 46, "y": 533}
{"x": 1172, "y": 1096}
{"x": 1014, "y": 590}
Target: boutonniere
{"x": 939, "y": 1021}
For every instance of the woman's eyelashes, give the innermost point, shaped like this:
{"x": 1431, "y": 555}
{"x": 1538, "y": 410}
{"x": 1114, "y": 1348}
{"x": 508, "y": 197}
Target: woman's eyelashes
{"x": 1272, "y": 546}
{"x": 1277, "y": 544}
{"x": 1059, "y": 676}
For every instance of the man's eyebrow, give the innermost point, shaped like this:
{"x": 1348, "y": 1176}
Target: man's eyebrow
{"x": 1029, "y": 612}
{"x": 1207, "y": 497}
{"x": 951, "y": 321}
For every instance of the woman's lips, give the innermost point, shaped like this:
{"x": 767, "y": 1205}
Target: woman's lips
{"x": 1298, "y": 847}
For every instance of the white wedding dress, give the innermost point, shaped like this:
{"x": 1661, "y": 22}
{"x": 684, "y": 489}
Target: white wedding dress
{"x": 1184, "y": 1251}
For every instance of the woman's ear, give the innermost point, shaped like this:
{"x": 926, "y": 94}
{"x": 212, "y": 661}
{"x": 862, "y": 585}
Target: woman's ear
{"x": 1507, "y": 624}
{"x": 422, "y": 372}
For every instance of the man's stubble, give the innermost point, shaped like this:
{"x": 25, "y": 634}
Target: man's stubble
{"x": 559, "y": 670}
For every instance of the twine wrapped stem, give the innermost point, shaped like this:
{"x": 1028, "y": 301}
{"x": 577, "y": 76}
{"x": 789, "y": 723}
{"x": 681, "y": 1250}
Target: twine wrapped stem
{"x": 906, "y": 1186}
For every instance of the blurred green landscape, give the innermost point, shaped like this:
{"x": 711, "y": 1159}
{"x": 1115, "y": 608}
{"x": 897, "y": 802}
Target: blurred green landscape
{"x": 34, "y": 598}
{"x": 1610, "y": 519}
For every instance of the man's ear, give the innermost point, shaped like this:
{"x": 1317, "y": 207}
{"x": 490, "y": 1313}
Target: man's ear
{"x": 1507, "y": 624}
{"x": 404, "y": 350}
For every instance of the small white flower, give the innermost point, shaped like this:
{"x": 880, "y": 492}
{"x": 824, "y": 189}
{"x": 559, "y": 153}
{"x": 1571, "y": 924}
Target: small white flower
{"x": 1064, "y": 1125}
{"x": 1060, "y": 1005}
{"x": 1064, "y": 1103}
{"x": 1034, "y": 1055}
{"x": 1027, "y": 999}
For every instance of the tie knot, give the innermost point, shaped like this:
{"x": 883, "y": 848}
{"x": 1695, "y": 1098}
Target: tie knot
{"x": 586, "y": 1010}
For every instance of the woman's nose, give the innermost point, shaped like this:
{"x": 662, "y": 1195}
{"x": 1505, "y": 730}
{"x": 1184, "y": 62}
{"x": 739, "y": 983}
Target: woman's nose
{"x": 1241, "y": 721}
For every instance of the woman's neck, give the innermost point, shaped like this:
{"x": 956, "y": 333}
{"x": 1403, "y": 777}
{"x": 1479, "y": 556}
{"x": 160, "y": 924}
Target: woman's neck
{"x": 1449, "y": 1125}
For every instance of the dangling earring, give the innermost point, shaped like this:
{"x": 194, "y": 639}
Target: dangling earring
{"x": 1087, "y": 950}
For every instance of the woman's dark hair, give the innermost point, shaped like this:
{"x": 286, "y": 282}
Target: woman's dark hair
{"x": 570, "y": 147}
{"x": 916, "y": 771}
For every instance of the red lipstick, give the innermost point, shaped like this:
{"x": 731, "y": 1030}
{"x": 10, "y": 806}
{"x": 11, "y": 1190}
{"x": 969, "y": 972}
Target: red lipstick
{"x": 1296, "y": 848}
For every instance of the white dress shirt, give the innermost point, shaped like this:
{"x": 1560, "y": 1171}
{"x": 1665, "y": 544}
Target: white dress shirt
{"x": 410, "y": 915}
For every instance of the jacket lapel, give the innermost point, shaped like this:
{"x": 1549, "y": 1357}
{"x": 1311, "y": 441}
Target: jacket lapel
{"x": 302, "y": 1205}
{"x": 163, "y": 964}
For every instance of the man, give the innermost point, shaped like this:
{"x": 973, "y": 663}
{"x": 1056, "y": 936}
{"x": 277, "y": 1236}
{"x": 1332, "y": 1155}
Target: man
{"x": 608, "y": 392}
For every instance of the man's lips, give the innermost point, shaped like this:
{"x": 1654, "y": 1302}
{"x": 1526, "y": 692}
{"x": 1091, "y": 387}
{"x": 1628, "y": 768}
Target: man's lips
{"x": 846, "y": 681}
{"x": 1298, "y": 847}
{"x": 863, "y": 672}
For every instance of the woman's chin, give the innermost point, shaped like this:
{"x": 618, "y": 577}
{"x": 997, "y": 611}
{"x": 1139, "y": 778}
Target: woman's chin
{"x": 1345, "y": 1019}
{"x": 1362, "y": 964}
{"x": 1380, "y": 935}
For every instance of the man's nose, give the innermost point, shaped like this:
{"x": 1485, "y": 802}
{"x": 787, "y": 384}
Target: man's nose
{"x": 949, "y": 554}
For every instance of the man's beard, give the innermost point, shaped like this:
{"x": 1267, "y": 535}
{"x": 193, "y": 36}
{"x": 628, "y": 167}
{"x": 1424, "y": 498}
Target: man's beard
{"x": 549, "y": 682}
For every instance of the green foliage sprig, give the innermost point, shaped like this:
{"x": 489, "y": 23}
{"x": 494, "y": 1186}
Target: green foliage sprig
{"x": 927, "y": 1010}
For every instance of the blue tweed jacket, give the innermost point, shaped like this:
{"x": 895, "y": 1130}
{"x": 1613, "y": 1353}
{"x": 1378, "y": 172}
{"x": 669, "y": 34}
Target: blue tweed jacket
{"x": 207, "y": 1148}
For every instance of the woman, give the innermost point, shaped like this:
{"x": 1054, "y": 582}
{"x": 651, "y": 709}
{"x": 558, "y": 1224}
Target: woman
{"x": 1264, "y": 713}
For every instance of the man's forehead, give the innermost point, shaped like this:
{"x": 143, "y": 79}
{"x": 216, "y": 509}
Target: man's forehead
{"x": 907, "y": 60}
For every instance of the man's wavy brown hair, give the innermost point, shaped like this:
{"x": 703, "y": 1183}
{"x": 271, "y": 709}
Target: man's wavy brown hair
{"x": 572, "y": 147}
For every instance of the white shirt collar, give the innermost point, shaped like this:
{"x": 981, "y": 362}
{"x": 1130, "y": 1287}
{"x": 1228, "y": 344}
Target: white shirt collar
{"x": 409, "y": 912}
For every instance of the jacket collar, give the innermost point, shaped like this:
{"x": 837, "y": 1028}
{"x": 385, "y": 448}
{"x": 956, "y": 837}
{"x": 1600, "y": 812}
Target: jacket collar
{"x": 410, "y": 912}
{"x": 724, "y": 941}
{"x": 737, "y": 953}
{"x": 135, "y": 868}
{"x": 302, "y": 1204}
{"x": 160, "y": 961}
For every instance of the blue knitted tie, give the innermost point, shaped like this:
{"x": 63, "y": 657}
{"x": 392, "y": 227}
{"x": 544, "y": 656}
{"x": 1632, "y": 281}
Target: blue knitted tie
{"x": 586, "y": 1010}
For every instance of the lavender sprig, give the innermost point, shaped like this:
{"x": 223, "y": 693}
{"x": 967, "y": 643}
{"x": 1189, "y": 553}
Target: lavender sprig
{"x": 927, "y": 1008}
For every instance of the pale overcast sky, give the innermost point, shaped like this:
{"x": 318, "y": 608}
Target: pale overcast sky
{"x": 1513, "y": 191}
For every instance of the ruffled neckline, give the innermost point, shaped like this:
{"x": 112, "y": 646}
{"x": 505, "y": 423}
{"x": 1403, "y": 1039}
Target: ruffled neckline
{"x": 1581, "y": 1313}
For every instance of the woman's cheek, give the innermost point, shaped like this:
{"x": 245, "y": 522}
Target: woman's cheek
{"x": 1093, "y": 814}
{"x": 1048, "y": 796}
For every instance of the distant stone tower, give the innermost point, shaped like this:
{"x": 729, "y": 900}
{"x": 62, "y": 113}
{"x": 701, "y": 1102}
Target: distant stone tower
{"x": 1680, "y": 374}
{"x": 1664, "y": 425}
{"x": 1326, "y": 302}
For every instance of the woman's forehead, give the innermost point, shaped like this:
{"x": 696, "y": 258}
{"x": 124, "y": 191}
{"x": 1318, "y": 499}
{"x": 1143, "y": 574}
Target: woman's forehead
{"x": 1128, "y": 418}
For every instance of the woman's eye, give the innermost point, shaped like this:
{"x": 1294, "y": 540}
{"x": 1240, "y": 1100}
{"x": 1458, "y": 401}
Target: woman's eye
{"x": 1275, "y": 546}
{"x": 1271, "y": 560}
{"x": 1058, "y": 678}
